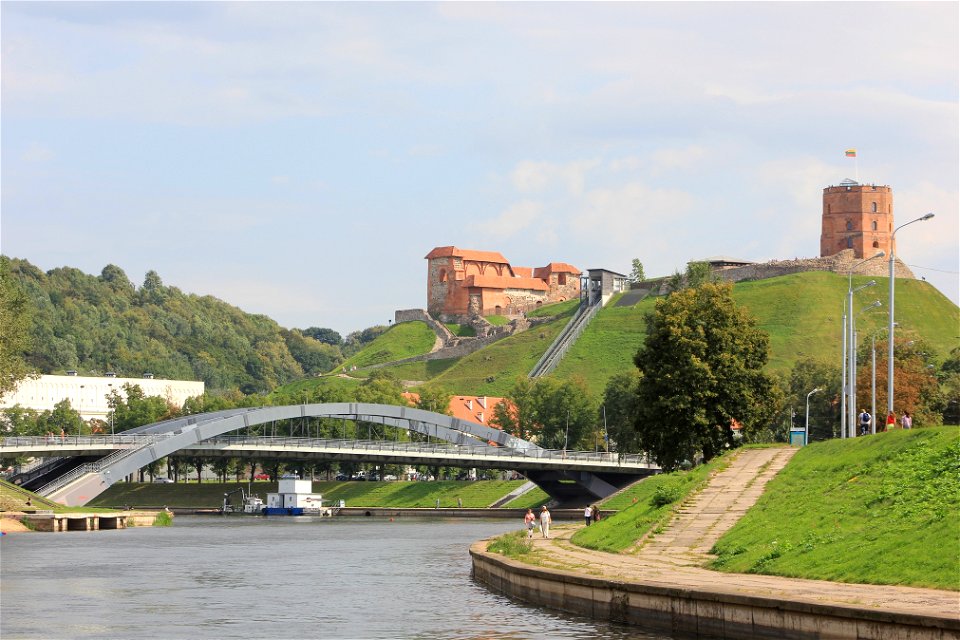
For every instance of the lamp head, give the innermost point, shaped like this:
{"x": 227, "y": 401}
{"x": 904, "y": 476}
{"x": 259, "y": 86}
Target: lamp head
{"x": 879, "y": 254}
{"x": 927, "y": 216}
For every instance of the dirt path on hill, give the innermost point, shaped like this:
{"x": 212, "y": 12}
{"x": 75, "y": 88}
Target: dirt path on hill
{"x": 676, "y": 557}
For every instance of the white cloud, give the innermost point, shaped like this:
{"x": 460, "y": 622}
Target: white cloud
{"x": 536, "y": 177}
{"x": 512, "y": 220}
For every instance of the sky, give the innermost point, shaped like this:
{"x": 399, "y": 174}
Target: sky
{"x": 300, "y": 159}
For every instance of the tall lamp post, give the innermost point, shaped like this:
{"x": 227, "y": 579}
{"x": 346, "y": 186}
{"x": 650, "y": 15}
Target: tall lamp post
{"x": 853, "y": 370}
{"x": 806, "y": 424}
{"x": 922, "y": 218}
{"x": 851, "y": 366}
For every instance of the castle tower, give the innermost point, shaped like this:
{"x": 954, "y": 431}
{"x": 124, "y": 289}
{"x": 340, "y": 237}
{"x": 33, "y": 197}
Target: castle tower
{"x": 856, "y": 216}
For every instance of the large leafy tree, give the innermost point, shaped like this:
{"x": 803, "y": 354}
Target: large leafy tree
{"x": 619, "y": 411}
{"x": 809, "y": 374}
{"x": 15, "y": 315}
{"x": 137, "y": 409}
{"x": 517, "y": 416}
{"x": 701, "y": 368}
{"x": 556, "y": 414}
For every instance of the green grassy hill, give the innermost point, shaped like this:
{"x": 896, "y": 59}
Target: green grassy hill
{"x": 883, "y": 509}
{"x": 401, "y": 341}
{"x": 800, "y": 312}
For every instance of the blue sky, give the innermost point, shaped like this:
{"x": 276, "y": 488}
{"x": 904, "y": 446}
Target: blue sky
{"x": 300, "y": 159}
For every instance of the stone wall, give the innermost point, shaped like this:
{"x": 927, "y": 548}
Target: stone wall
{"x": 838, "y": 263}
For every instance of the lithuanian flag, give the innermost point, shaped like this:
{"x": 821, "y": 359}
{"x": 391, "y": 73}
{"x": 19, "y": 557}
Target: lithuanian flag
{"x": 851, "y": 153}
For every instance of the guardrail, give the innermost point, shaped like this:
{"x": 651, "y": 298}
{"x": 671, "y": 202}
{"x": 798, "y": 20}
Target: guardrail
{"x": 558, "y": 348}
{"x": 135, "y": 443}
{"x": 437, "y": 449}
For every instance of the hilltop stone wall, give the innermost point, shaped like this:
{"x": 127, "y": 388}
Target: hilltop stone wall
{"x": 841, "y": 262}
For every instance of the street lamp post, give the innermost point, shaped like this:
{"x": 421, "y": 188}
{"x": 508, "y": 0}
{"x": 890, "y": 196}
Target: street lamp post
{"x": 806, "y": 424}
{"x": 873, "y": 386}
{"x": 853, "y": 370}
{"x": 851, "y": 367}
{"x": 843, "y": 380}
{"x": 891, "y": 323}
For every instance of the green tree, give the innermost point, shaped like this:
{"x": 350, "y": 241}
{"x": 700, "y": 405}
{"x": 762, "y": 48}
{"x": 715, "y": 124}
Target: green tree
{"x": 517, "y": 416}
{"x": 15, "y": 320}
{"x": 809, "y": 374}
{"x": 566, "y": 413}
{"x": 63, "y": 418}
{"x": 327, "y": 336}
{"x": 619, "y": 410}
{"x": 701, "y": 369}
{"x": 137, "y": 409}
{"x": 434, "y": 398}
{"x": 637, "y": 275}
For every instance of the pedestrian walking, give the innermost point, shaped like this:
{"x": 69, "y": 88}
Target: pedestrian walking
{"x": 588, "y": 514}
{"x": 891, "y": 421}
{"x": 906, "y": 421}
{"x": 529, "y": 521}
{"x": 865, "y": 419}
{"x": 545, "y": 521}
{"x": 596, "y": 514}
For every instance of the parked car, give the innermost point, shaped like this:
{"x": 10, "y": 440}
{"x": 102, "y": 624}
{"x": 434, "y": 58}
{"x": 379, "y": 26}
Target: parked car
{"x": 261, "y": 476}
{"x": 341, "y": 477}
{"x": 163, "y": 480}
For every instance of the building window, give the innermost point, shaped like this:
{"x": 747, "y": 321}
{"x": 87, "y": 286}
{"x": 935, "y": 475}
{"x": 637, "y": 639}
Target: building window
{"x": 849, "y": 226}
{"x": 874, "y": 207}
{"x": 443, "y": 275}
{"x": 876, "y": 245}
{"x": 828, "y": 208}
{"x": 873, "y": 225}
{"x": 849, "y": 243}
{"x": 561, "y": 278}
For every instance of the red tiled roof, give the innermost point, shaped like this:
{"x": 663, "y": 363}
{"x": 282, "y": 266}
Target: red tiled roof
{"x": 505, "y": 282}
{"x": 522, "y": 272}
{"x": 555, "y": 267}
{"x": 467, "y": 254}
{"x": 473, "y": 408}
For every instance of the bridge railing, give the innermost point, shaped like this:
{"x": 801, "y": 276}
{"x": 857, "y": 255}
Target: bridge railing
{"x": 435, "y": 448}
{"x": 132, "y": 444}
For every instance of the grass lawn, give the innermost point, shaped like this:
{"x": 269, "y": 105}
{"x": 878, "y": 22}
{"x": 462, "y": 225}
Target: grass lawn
{"x": 14, "y": 498}
{"x": 884, "y": 509}
{"x": 346, "y": 385}
{"x": 564, "y": 308}
{"x": 208, "y": 495}
{"x": 400, "y": 341}
{"x": 497, "y": 321}
{"x": 461, "y": 330}
{"x": 493, "y": 370}
{"x": 644, "y": 507}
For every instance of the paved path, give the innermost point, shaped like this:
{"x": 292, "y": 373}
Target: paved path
{"x": 675, "y": 558}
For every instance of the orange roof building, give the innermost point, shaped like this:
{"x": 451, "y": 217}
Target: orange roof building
{"x": 464, "y": 282}
{"x": 477, "y": 409}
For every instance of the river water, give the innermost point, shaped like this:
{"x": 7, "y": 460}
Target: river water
{"x": 263, "y": 578}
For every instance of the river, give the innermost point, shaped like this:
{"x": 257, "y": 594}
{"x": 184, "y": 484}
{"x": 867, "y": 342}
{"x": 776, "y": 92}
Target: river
{"x": 262, "y": 578}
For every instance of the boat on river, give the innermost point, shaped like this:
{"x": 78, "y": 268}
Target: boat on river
{"x": 294, "y": 497}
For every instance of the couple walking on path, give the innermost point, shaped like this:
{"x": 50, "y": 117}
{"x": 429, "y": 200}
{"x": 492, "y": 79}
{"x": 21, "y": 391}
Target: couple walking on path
{"x": 530, "y": 520}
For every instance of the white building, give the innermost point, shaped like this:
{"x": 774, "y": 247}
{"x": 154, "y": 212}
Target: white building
{"x": 88, "y": 394}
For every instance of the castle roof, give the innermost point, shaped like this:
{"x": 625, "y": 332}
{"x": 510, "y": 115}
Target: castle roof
{"x": 467, "y": 254}
{"x": 504, "y": 282}
{"x": 555, "y": 267}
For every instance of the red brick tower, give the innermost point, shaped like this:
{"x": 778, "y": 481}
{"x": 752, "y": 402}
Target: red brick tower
{"x": 856, "y": 216}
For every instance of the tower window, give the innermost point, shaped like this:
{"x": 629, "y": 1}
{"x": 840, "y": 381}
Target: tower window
{"x": 849, "y": 243}
{"x": 873, "y": 225}
{"x": 828, "y": 208}
{"x": 849, "y": 226}
{"x": 876, "y": 245}
{"x": 874, "y": 207}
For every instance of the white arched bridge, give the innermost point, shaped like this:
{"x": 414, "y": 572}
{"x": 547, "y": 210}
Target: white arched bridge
{"x": 83, "y": 467}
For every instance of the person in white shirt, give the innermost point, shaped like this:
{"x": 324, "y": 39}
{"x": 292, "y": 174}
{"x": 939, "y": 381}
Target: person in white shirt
{"x": 588, "y": 514}
{"x": 545, "y": 521}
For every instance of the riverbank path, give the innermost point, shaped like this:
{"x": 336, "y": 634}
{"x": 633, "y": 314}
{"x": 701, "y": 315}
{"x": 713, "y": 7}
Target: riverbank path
{"x": 676, "y": 556}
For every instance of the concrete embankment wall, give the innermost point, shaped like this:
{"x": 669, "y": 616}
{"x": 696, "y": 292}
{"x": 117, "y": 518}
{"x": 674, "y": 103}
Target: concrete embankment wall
{"x": 686, "y": 612}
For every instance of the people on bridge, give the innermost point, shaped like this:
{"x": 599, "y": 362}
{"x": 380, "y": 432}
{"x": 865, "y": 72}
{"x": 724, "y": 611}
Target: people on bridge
{"x": 545, "y": 521}
{"x": 588, "y": 514}
{"x": 528, "y": 521}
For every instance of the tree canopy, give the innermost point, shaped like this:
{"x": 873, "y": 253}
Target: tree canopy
{"x": 701, "y": 369}
{"x": 15, "y": 317}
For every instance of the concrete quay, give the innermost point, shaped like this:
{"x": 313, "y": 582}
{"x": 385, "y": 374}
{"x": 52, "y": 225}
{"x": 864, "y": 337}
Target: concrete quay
{"x": 664, "y": 587}
{"x": 49, "y": 521}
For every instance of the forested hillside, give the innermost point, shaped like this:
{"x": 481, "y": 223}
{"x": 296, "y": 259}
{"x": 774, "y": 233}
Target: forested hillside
{"x": 96, "y": 324}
